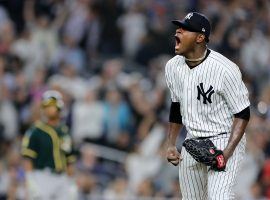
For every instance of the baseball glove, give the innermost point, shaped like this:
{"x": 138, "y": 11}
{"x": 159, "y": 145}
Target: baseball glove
{"x": 204, "y": 151}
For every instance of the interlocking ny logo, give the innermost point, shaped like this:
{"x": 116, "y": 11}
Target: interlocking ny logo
{"x": 206, "y": 95}
{"x": 189, "y": 15}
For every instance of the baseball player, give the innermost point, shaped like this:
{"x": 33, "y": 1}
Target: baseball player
{"x": 47, "y": 152}
{"x": 210, "y": 99}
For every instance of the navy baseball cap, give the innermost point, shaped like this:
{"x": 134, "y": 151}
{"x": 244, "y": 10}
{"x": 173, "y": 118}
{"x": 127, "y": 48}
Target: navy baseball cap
{"x": 195, "y": 22}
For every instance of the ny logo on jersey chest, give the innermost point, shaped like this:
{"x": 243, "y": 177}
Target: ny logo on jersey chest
{"x": 205, "y": 95}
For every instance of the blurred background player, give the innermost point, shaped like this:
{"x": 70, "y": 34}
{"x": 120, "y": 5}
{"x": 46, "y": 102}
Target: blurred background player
{"x": 47, "y": 152}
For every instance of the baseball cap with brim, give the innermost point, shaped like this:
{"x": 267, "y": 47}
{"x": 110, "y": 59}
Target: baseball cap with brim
{"x": 195, "y": 22}
{"x": 52, "y": 98}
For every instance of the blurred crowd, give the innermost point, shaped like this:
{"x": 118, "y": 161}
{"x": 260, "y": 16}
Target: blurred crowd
{"x": 107, "y": 58}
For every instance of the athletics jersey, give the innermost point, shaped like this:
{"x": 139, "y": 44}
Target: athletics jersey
{"x": 209, "y": 94}
{"x": 48, "y": 147}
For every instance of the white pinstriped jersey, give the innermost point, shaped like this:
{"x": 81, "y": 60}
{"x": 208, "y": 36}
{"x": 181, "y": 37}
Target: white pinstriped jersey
{"x": 209, "y": 94}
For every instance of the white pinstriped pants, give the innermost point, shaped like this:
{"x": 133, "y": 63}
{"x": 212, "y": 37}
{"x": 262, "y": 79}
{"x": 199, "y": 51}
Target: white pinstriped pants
{"x": 198, "y": 183}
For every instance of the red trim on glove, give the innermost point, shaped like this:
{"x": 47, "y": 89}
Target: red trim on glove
{"x": 220, "y": 161}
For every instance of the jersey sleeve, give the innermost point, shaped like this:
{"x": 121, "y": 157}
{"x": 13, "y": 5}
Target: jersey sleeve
{"x": 30, "y": 144}
{"x": 169, "y": 81}
{"x": 235, "y": 91}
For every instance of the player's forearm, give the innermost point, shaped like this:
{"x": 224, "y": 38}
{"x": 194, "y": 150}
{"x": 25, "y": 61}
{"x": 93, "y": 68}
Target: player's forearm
{"x": 175, "y": 123}
{"x": 174, "y": 130}
{"x": 238, "y": 129}
{"x": 27, "y": 165}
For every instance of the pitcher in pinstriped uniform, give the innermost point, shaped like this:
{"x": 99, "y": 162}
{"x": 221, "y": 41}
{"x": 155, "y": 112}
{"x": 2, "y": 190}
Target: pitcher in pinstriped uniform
{"x": 210, "y": 99}
{"x": 48, "y": 155}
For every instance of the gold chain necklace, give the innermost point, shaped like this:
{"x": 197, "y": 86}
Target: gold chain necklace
{"x": 197, "y": 59}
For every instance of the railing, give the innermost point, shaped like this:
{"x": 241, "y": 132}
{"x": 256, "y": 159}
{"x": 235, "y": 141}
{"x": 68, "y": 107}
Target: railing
{"x": 107, "y": 153}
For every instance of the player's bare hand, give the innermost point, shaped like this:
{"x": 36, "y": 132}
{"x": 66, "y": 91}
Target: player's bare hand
{"x": 173, "y": 156}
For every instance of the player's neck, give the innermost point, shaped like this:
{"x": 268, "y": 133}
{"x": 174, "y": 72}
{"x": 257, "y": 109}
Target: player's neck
{"x": 196, "y": 57}
{"x": 53, "y": 122}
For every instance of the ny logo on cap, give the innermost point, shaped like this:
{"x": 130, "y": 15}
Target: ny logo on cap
{"x": 203, "y": 29}
{"x": 189, "y": 15}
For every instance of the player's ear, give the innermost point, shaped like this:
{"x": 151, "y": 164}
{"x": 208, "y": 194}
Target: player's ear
{"x": 200, "y": 38}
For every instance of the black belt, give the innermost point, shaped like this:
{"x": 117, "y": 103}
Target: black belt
{"x": 202, "y": 138}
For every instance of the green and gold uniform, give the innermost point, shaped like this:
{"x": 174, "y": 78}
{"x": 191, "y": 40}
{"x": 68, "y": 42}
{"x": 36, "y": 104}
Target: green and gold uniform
{"x": 50, "y": 150}
{"x": 48, "y": 147}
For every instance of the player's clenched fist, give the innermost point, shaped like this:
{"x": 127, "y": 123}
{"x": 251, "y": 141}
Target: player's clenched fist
{"x": 173, "y": 156}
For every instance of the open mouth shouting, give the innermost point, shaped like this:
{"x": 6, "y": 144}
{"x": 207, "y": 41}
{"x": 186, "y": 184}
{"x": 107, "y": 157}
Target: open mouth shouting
{"x": 177, "y": 42}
